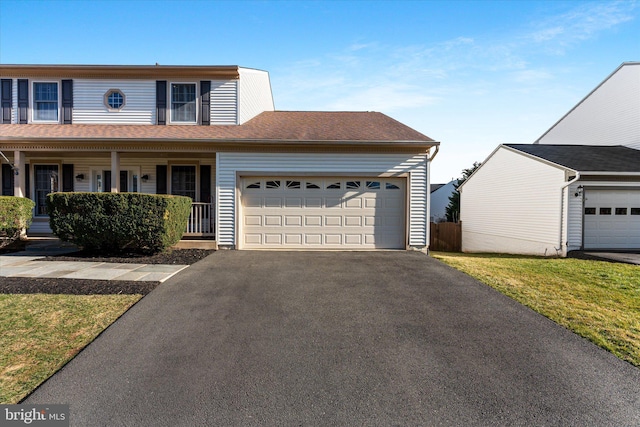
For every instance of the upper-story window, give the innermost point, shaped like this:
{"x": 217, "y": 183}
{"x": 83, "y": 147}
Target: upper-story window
{"x": 114, "y": 99}
{"x": 183, "y": 102}
{"x": 45, "y": 102}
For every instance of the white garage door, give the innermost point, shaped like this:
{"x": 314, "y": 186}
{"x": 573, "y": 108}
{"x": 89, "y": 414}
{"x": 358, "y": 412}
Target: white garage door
{"x": 323, "y": 213}
{"x": 612, "y": 219}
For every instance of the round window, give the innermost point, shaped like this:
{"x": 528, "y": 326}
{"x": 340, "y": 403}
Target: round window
{"x": 114, "y": 99}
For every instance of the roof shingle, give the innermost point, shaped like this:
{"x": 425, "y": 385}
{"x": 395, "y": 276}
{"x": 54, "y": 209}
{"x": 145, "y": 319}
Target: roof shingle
{"x": 586, "y": 158}
{"x": 300, "y": 126}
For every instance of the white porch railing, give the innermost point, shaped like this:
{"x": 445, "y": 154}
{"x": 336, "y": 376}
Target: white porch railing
{"x": 201, "y": 221}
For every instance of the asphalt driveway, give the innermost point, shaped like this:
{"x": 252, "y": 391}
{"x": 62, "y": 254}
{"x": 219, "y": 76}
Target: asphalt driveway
{"x": 338, "y": 338}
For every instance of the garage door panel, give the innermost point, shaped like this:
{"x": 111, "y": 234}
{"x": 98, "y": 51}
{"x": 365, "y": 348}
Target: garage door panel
{"x": 293, "y": 239}
{"x": 332, "y": 202}
{"x": 273, "y": 202}
{"x": 313, "y": 221}
{"x": 293, "y": 221}
{"x": 608, "y": 219}
{"x": 353, "y": 203}
{"x": 312, "y": 202}
{"x": 253, "y": 220}
{"x": 323, "y": 213}
{"x": 333, "y": 221}
{"x": 353, "y": 221}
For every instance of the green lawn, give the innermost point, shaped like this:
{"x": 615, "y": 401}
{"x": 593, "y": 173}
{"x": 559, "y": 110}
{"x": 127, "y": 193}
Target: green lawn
{"x": 597, "y": 300}
{"x": 39, "y": 333}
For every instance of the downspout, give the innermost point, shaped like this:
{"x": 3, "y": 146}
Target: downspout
{"x": 577, "y": 177}
{"x": 428, "y": 190}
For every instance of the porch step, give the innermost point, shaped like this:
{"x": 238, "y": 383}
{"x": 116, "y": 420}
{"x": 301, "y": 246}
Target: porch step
{"x": 196, "y": 244}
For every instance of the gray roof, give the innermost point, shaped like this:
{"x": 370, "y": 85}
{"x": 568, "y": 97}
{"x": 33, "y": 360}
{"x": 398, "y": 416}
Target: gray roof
{"x": 435, "y": 187}
{"x": 586, "y": 158}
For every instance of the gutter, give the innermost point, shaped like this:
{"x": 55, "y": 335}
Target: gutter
{"x": 427, "y": 229}
{"x": 577, "y": 177}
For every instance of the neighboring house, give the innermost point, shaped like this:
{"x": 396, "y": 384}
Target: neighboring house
{"x": 576, "y": 188}
{"x": 440, "y": 194}
{"x": 259, "y": 178}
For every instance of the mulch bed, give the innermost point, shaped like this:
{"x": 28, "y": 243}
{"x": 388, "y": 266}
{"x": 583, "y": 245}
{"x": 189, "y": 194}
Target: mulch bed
{"x": 37, "y": 285}
{"x": 175, "y": 257}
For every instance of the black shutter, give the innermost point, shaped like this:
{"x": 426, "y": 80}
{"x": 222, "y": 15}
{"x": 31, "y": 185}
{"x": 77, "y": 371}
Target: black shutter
{"x": 67, "y": 178}
{"x": 6, "y": 100}
{"x": 124, "y": 181}
{"x": 67, "y": 101}
{"x": 161, "y": 179}
{"x": 23, "y": 100}
{"x": 205, "y": 97}
{"x": 7, "y": 180}
{"x": 106, "y": 182}
{"x": 205, "y": 183}
{"x": 27, "y": 182}
{"x": 161, "y": 102}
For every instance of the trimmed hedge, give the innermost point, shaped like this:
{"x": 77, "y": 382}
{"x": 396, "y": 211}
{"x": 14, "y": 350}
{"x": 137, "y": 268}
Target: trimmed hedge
{"x": 118, "y": 222}
{"x": 15, "y": 215}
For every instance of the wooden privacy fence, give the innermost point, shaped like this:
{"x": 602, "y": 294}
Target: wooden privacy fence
{"x": 446, "y": 236}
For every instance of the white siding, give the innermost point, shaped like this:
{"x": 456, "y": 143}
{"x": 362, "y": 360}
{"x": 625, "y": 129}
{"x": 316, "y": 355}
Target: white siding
{"x": 255, "y": 94}
{"x": 610, "y": 115}
{"x": 512, "y": 205}
{"x": 224, "y": 102}
{"x": 574, "y": 222}
{"x": 327, "y": 164}
{"x": 89, "y": 106}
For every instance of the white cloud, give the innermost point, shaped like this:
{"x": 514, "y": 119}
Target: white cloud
{"x": 581, "y": 23}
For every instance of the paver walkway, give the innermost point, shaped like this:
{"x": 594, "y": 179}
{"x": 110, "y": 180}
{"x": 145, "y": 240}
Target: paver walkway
{"x": 22, "y": 264}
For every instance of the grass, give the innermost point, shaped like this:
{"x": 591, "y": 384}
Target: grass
{"x": 597, "y": 300}
{"x": 39, "y": 333}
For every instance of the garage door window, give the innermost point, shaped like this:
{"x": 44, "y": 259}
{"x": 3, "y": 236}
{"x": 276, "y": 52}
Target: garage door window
{"x": 334, "y": 186}
{"x": 390, "y": 186}
{"x": 621, "y": 211}
{"x": 293, "y": 185}
{"x": 605, "y": 211}
{"x": 272, "y": 185}
{"x": 254, "y": 185}
{"x": 635, "y": 211}
{"x": 312, "y": 186}
{"x": 373, "y": 185}
{"x": 353, "y": 185}
{"x": 589, "y": 211}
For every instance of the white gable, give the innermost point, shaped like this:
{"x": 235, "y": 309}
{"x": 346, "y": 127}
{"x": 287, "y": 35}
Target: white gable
{"x": 610, "y": 115}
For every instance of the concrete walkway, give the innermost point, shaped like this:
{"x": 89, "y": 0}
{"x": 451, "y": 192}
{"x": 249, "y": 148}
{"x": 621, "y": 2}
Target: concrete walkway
{"x": 23, "y": 264}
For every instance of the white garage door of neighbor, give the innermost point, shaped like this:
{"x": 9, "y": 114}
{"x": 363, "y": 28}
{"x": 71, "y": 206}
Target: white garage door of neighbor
{"x": 323, "y": 213}
{"x": 612, "y": 219}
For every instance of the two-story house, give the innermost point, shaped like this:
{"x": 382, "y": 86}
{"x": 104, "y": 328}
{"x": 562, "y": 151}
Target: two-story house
{"x": 259, "y": 178}
{"x": 577, "y": 187}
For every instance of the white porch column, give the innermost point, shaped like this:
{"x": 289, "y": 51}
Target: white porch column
{"x": 20, "y": 180}
{"x": 115, "y": 172}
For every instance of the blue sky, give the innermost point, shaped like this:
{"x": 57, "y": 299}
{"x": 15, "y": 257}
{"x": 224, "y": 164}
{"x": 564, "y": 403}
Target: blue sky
{"x": 470, "y": 74}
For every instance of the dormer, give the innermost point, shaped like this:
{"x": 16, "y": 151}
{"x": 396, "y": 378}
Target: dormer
{"x": 141, "y": 95}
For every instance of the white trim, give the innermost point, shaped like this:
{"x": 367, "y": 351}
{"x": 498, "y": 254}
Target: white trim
{"x": 32, "y": 107}
{"x": 170, "y": 103}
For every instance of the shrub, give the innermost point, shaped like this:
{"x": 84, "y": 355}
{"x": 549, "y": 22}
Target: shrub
{"x": 15, "y": 216}
{"x": 117, "y": 222}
